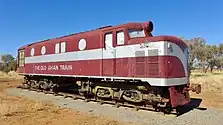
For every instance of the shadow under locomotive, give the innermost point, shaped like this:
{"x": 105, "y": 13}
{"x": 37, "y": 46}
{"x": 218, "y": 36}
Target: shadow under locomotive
{"x": 193, "y": 104}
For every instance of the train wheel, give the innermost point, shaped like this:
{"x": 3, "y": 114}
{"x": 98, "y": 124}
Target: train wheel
{"x": 101, "y": 102}
{"x": 86, "y": 100}
{"x": 136, "y": 108}
{"x": 117, "y": 105}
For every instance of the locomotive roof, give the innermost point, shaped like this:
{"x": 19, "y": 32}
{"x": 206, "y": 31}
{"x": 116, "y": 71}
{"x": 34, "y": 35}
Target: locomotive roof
{"x": 129, "y": 25}
{"x": 89, "y": 31}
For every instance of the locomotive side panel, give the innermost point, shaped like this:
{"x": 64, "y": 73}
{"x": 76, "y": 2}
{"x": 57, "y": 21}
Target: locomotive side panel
{"x": 68, "y": 68}
{"x": 95, "y": 54}
{"x": 72, "y": 55}
{"x": 123, "y": 67}
{"x": 130, "y": 61}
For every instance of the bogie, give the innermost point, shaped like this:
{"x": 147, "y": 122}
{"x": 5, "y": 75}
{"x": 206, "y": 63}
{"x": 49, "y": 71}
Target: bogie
{"x": 135, "y": 94}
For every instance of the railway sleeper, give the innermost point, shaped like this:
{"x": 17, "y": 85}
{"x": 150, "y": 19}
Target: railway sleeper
{"x": 118, "y": 97}
{"x": 115, "y": 104}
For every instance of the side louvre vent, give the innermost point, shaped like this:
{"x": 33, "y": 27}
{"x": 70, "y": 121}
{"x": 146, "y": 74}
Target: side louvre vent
{"x": 140, "y": 53}
{"x": 153, "y": 52}
{"x": 140, "y": 62}
{"x": 153, "y": 63}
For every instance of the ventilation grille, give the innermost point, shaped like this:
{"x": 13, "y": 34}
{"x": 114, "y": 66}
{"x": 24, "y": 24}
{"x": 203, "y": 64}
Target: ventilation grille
{"x": 153, "y": 59}
{"x": 140, "y": 69}
{"x": 153, "y": 69}
{"x": 140, "y": 53}
{"x": 140, "y": 62}
{"x": 153, "y": 62}
{"x": 153, "y": 52}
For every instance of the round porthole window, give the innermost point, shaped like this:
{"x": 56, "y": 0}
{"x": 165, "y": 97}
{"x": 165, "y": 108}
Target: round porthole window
{"x": 82, "y": 44}
{"x": 32, "y": 52}
{"x": 43, "y": 50}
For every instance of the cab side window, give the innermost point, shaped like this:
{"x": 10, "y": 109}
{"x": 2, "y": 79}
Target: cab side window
{"x": 120, "y": 37}
{"x": 108, "y": 41}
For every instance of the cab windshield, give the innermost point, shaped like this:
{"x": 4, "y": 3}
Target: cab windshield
{"x": 134, "y": 33}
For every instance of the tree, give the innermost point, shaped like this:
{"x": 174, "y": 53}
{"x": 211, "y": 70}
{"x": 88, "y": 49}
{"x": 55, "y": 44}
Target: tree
{"x": 220, "y": 48}
{"x": 208, "y": 56}
{"x": 219, "y": 58}
{"x": 7, "y": 58}
{"x": 8, "y": 63}
{"x": 195, "y": 48}
{"x": 219, "y": 62}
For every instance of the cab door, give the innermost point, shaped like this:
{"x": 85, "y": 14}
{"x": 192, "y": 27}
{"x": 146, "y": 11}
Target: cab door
{"x": 21, "y": 61}
{"x": 108, "y": 54}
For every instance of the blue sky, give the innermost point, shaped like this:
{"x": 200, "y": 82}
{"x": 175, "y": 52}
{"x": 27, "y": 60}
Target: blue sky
{"x": 27, "y": 21}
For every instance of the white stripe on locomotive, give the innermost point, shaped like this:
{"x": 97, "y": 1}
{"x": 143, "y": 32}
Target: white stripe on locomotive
{"x": 120, "y": 52}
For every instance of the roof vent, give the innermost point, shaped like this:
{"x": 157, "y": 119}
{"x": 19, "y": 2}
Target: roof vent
{"x": 104, "y": 27}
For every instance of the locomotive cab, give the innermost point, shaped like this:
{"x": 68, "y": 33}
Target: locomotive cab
{"x": 161, "y": 61}
{"x": 158, "y": 56}
{"x": 158, "y": 60}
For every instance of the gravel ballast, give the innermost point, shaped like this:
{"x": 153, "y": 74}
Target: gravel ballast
{"x": 193, "y": 117}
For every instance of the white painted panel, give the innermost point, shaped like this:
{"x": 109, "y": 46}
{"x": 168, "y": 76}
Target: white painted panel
{"x": 63, "y": 47}
{"x": 43, "y": 50}
{"x": 109, "y": 51}
{"x": 177, "y": 51}
{"x": 82, "y": 44}
{"x": 32, "y": 52}
{"x": 57, "y": 48}
{"x": 108, "y": 41}
{"x": 121, "y": 52}
{"x": 120, "y": 38}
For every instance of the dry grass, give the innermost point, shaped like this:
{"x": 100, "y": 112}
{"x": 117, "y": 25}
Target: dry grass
{"x": 212, "y": 88}
{"x": 12, "y": 75}
{"x": 21, "y": 111}
{"x": 10, "y": 106}
{"x": 212, "y": 82}
{"x": 8, "y": 109}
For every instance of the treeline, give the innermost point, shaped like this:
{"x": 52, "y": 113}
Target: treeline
{"x": 203, "y": 55}
{"x": 7, "y": 63}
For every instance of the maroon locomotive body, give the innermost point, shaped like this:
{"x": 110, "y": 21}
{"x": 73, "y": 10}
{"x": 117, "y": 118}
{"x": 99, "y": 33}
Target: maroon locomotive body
{"x": 124, "y": 60}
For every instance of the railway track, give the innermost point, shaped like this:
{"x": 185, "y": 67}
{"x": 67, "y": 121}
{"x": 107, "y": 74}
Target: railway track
{"x": 114, "y": 103}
